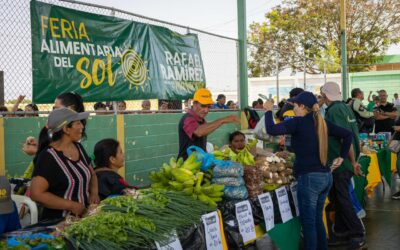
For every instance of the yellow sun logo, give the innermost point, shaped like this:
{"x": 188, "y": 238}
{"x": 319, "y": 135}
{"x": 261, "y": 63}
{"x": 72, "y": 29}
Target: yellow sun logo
{"x": 134, "y": 68}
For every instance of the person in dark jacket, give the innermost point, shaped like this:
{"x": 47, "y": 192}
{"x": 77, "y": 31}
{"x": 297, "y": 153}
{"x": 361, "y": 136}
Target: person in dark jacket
{"x": 348, "y": 228}
{"x": 310, "y": 144}
{"x": 109, "y": 158}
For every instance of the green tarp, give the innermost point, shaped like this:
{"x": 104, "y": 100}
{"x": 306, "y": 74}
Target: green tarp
{"x": 286, "y": 236}
{"x": 360, "y": 182}
{"x": 104, "y": 58}
{"x": 385, "y": 164}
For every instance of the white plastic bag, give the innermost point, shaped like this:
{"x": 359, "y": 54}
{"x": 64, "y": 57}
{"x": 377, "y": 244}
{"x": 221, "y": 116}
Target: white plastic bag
{"x": 260, "y": 132}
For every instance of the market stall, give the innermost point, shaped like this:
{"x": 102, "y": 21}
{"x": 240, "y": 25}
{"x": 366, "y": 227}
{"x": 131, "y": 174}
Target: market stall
{"x": 200, "y": 203}
{"x": 378, "y": 164}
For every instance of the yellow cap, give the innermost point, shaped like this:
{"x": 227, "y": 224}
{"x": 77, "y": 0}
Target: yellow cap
{"x": 203, "y": 96}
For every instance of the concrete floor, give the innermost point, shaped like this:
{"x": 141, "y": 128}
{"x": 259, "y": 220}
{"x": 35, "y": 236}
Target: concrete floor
{"x": 382, "y": 222}
{"x": 383, "y": 218}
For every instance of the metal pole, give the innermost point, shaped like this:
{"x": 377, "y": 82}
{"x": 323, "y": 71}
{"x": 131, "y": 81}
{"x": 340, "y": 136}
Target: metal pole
{"x": 344, "y": 47}
{"x": 305, "y": 71}
{"x": 324, "y": 72}
{"x": 242, "y": 36}
{"x": 277, "y": 76}
{"x": 1, "y": 88}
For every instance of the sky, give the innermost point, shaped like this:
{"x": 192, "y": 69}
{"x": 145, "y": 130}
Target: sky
{"x": 216, "y": 16}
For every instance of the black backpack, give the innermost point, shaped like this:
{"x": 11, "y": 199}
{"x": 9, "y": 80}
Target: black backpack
{"x": 365, "y": 125}
{"x": 252, "y": 117}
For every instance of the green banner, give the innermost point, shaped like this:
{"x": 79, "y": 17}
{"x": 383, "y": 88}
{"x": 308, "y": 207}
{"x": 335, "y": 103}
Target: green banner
{"x": 105, "y": 58}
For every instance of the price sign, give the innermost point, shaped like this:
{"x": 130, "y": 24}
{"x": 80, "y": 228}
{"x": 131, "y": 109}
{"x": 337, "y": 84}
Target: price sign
{"x": 284, "y": 206}
{"x": 293, "y": 189}
{"x": 172, "y": 243}
{"x": 268, "y": 210}
{"x": 244, "y": 215}
{"x": 213, "y": 231}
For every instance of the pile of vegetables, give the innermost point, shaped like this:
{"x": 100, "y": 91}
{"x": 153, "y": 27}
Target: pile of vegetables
{"x": 230, "y": 174}
{"x": 254, "y": 181}
{"x": 244, "y": 156}
{"x": 33, "y": 241}
{"x": 186, "y": 176}
{"x": 275, "y": 170}
{"x": 127, "y": 222}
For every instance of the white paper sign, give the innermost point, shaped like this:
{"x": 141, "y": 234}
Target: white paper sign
{"x": 268, "y": 210}
{"x": 172, "y": 243}
{"x": 244, "y": 215}
{"x": 213, "y": 231}
{"x": 284, "y": 206}
{"x": 293, "y": 189}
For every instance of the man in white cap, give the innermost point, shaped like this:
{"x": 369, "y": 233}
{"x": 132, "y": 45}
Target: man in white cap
{"x": 347, "y": 227}
{"x": 9, "y": 220}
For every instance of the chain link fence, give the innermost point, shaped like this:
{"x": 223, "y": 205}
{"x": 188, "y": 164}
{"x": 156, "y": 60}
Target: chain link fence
{"x": 219, "y": 56}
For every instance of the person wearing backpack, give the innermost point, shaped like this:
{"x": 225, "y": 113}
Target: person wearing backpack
{"x": 365, "y": 119}
{"x": 348, "y": 228}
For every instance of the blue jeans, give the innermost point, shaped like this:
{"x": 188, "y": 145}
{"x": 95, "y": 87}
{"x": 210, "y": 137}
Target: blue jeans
{"x": 312, "y": 191}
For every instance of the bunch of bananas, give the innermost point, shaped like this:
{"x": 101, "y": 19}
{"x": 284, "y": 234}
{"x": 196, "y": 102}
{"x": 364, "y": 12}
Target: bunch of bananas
{"x": 244, "y": 156}
{"x": 186, "y": 176}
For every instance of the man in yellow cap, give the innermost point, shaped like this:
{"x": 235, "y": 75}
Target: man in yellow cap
{"x": 193, "y": 129}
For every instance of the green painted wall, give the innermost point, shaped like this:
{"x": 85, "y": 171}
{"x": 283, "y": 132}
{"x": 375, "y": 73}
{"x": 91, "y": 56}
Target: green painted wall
{"x": 376, "y": 80}
{"x": 16, "y": 130}
{"x": 150, "y": 140}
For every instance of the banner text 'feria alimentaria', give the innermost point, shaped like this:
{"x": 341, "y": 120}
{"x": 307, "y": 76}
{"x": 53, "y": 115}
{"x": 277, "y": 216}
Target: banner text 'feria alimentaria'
{"x": 105, "y": 58}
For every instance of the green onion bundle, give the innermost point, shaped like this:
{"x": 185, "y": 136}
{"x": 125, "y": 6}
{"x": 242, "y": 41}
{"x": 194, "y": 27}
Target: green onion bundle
{"x": 128, "y": 223}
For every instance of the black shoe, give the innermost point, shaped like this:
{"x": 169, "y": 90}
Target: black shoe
{"x": 358, "y": 245}
{"x": 396, "y": 196}
{"x": 338, "y": 240}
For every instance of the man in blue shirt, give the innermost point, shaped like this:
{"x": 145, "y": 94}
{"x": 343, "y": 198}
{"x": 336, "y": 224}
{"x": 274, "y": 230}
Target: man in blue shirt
{"x": 9, "y": 220}
{"x": 221, "y": 100}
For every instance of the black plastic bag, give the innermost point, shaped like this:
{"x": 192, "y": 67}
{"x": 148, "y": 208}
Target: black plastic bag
{"x": 193, "y": 238}
{"x": 233, "y": 237}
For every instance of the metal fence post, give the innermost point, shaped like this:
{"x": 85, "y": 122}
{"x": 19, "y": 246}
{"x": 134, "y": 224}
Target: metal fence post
{"x": 1, "y": 88}
{"x": 277, "y": 76}
{"x": 242, "y": 35}
{"x": 305, "y": 71}
{"x": 344, "y": 47}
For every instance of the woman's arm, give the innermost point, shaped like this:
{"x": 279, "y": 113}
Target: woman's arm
{"x": 271, "y": 127}
{"x": 94, "y": 188}
{"x": 40, "y": 194}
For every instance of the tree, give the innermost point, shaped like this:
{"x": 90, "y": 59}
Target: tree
{"x": 307, "y": 32}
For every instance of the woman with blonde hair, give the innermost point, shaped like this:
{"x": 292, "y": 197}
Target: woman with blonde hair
{"x": 310, "y": 133}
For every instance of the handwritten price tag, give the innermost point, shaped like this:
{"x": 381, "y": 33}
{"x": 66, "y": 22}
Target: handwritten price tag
{"x": 173, "y": 243}
{"x": 244, "y": 215}
{"x": 213, "y": 231}
{"x": 284, "y": 206}
{"x": 293, "y": 189}
{"x": 268, "y": 210}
